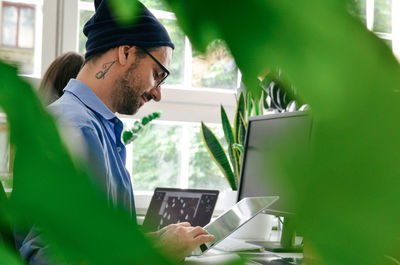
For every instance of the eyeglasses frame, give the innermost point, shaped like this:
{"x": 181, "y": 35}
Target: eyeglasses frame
{"x": 159, "y": 64}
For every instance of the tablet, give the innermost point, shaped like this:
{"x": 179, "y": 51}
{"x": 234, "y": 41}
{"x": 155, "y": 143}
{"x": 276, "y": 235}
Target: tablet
{"x": 232, "y": 219}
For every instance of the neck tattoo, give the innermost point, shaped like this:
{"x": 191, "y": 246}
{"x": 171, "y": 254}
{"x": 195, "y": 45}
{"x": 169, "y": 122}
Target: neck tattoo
{"x": 106, "y": 67}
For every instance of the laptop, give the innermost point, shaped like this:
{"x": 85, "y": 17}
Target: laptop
{"x": 232, "y": 219}
{"x": 171, "y": 206}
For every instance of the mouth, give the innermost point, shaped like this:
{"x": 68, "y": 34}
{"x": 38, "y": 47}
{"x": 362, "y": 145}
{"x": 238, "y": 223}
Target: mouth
{"x": 145, "y": 98}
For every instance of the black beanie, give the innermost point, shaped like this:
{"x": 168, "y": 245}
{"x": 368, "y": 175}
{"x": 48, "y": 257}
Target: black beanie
{"x": 104, "y": 32}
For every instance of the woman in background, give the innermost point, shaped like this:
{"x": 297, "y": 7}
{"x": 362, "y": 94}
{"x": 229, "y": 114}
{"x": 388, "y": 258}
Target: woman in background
{"x": 57, "y": 76}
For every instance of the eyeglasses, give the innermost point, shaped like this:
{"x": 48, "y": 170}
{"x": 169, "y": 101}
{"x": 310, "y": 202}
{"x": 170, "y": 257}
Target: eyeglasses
{"x": 166, "y": 72}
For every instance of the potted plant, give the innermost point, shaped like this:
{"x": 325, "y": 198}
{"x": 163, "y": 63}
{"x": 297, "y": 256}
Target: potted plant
{"x": 228, "y": 161}
{"x": 275, "y": 95}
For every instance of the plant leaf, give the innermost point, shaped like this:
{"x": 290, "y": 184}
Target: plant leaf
{"x": 249, "y": 104}
{"x": 125, "y": 10}
{"x": 238, "y": 147}
{"x": 218, "y": 154}
{"x": 226, "y": 126}
{"x": 240, "y": 111}
{"x": 261, "y": 103}
{"x": 55, "y": 190}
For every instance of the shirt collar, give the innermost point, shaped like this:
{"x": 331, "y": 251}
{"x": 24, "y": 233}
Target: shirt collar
{"x": 89, "y": 98}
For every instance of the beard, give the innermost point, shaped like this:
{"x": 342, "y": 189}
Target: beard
{"x": 126, "y": 95}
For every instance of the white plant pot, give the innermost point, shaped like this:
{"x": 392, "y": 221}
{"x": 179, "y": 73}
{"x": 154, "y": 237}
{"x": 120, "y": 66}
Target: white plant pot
{"x": 226, "y": 200}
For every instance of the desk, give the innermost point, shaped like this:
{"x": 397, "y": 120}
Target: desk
{"x": 214, "y": 256}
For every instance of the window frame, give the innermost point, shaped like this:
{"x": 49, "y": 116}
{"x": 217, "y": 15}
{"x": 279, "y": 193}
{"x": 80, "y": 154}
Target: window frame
{"x": 394, "y": 36}
{"x": 19, "y": 6}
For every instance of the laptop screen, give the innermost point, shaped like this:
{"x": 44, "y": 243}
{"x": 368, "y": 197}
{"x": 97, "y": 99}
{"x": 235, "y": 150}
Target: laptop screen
{"x": 171, "y": 206}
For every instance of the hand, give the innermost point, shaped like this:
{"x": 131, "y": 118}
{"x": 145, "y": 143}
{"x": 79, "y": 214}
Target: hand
{"x": 178, "y": 240}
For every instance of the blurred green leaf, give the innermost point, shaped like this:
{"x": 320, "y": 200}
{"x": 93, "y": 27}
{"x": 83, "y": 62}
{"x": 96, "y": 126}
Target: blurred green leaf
{"x": 125, "y": 10}
{"x": 218, "y": 154}
{"x": 54, "y": 192}
{"x": 347, "y": 188}
{"x": 7, "y": 256}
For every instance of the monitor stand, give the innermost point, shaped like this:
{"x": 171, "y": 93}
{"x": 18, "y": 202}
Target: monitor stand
{"x": 287, "y": 243}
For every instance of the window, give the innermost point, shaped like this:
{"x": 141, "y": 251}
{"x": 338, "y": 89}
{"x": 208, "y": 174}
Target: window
{"x": 379, "y": 17}
{"x": 5, "y": 154}
{"x": 172, "y": 154}
{"x": 18, "y": 25}
{"x": 21, "y": 34}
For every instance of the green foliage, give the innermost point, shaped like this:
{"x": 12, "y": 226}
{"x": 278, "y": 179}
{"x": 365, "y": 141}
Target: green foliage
{"x": 281, "y": 93}
{"x": 130, "y": 135}
{"x": 178, "y": 38}
{"x": 8, "y": 256}
{"x": 230, "y": 167}
{"x": 84, "y": 16}
{"x": 156, "y": 157}
{"x": 337, "y": 66}
{"x": 218, "y": 154}
{"x": 126, "y": 11}
{"x": 214, "y": 69}
{"x": 203, "y": 173}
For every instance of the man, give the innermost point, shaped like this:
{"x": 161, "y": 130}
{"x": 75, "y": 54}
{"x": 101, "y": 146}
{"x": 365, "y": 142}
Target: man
{"x": 124, "y": 68}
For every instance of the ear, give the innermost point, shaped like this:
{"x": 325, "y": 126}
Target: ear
{"x": 123, "y": 53}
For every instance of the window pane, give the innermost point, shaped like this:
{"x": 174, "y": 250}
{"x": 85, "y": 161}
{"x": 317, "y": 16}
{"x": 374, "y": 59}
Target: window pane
{"x": 9, "y": 28}
{"x": 156, "y": 157}
{"x": 388, "y": 42}
{"x": 5, "y": 174}
{"x": 177, "y": 64}
{"x": 4, "y": 149}
{"x": 174, "y": 155}
{"x": 156, "y": 4}
{"x": 26, "y": 31}
{"x": 203, "y": 173}
{"x": 361, "y": 10}
{"x": 84, "y": 16}
{"x": 215, "y": 69}
{"x": 22, "y": 35}
{"x": 383, "y": 16}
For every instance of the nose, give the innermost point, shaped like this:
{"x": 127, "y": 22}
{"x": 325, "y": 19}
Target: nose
{"x": 156, "y": 93}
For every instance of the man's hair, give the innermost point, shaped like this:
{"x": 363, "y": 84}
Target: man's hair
{"x": 138, "y": 52}
{"x": 93, "y": 57}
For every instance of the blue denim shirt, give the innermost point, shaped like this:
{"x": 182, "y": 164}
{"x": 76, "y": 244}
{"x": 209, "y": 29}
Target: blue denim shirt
{"x": 80, "y": 108}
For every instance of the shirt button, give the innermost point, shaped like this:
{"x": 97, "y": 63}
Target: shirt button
{"x": 116, "y": 120}
{"x": 119, "y": 148}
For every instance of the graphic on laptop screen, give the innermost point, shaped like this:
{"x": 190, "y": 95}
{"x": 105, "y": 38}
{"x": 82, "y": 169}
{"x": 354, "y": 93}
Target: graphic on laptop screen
{"x": 170, "y": 206}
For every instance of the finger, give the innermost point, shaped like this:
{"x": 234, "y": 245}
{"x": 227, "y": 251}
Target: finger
{"x": 196, "y": 231}
{"x": 165, "y": 229}
{"x": 203, "y": 239}
{"x": 186, "y": 224}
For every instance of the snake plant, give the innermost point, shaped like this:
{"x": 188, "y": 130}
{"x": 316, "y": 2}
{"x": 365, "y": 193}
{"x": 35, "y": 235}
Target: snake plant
{"x": 228, "y": 161}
